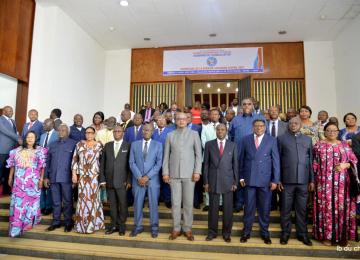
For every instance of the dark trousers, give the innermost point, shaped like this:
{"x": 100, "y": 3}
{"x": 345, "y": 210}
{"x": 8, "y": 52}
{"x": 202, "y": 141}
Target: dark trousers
{"x": 276, "y": 200}
{"x": 294, "y": 194}
{"x": 4, "y": 174}
{"x": 239, "y": 198}
{"x": 227, "y": 218}
{"x": 198, "y": 192}
{"x": 118, "y": 207}
{"x": 260, "y": 198}
{"x": 61, "y": 194}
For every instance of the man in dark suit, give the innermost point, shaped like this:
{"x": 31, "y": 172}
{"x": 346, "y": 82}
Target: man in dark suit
{"x": 77, "y": 131}
{"x": 8, "y": 139}
{"x": 126, "y": 121}
{"x": 275, "y": 128}
{"x": 145, "y": 163}
{"x": 58, "y": 178}
{"x": 147, "y": 112}
{"x": 33, "y": 125}
{"x": 115, "y": 174}
{"x": 220, "y": 179}
{"x": 55, "y": 115}
{"x": 259, "y": 173}
{"x": 134, "y": 132}
{"x": 296, "y": 179}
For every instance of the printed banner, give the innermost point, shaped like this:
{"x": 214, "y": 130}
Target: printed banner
{"x": 213, "y": 61}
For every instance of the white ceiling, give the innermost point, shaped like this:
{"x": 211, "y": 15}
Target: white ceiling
{"x": 189, "y": 22}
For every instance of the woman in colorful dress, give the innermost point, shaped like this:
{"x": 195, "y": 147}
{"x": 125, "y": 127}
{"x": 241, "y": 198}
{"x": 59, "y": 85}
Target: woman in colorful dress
{"x": 89, "y": 215}
{"x": 26, "y": 164}
{"x": 309, "y": 128}
{"x": 351, "y": 128}
{"x": 334, "y": 212}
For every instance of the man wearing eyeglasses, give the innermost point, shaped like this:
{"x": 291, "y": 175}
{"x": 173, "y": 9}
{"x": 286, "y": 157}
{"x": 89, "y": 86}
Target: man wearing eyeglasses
{"x": 240, "y": 127}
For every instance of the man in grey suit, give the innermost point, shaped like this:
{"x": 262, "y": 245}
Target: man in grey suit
{"x": 8, "y": 139}
{"x": 297, "y": 177}
{"x": 115, "y": 174}
{"x": 275, "y": 128}
{"x": 220, "y": 179}
{"x": 182, "y": 168}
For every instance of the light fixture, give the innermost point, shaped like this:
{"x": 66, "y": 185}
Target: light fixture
{"x": 111, "y": 28}
{"x": 147, "y": 39}
{"x": 237, "y": 89}
{"x": 282, "y": 32}
{"x": 218, "y": 90}
{"x": 208, "y": 85}
{"x": 228, "y": 85}
{"x": 323, "y": 17}
{"x": 200, "y": 90}
{"x": 124, "y": 3}
{"x": 212, "y": 35}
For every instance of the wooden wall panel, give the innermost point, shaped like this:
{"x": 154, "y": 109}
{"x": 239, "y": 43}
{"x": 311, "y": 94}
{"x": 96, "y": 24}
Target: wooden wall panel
{"x": 281, "y": 60}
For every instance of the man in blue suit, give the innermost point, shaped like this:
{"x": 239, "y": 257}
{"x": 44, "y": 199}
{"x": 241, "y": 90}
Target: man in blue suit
{"x": 8, "y": 139}
{"x": 160, "y": 135}
{"x": 58, "y": 178}
{"x": 145, "y": 163}
{"x": 49, "y": 136}
{"x": 134, "y": 133}
{"x": 259, "y": 173}
{"x": 77, "y": 131}
{"x": 34, "y": 125}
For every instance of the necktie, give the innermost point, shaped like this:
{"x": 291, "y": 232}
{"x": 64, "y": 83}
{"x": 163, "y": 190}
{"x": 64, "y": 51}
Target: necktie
{"x": 116, "y": 149}
{"x": 147, "y": 116}
{"x": 30, "y": 125}
{"x": 136, "y": 131}
{"x": 160, "y": 131}
{"x": 221, "y": 148}
{"x": 46, "y": 139}
{"x": 145, "y": 150}
{"x": 257, "y": 144}
{"x": 273, "y": 131}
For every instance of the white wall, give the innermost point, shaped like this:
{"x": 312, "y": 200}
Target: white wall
{"x": 347, "y": 69}
{"x": 8, "y": 89}
{"x": 320, "y": 77}
{"x": 117, "y": 81}
{"x": 67, "y": 68}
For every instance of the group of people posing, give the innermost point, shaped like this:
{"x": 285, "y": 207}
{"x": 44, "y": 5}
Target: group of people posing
{"x": 239, "y": 157}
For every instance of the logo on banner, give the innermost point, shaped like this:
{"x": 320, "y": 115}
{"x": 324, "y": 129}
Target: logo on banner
{"x": 211, "y": 61}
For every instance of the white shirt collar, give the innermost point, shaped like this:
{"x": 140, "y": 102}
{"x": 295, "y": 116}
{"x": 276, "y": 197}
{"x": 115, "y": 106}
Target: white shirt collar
{"x": 259, "y": 138}
{"x": 118, "y": 142}
{"x": 223, "y": 141}
{"x": 7, "y": 118}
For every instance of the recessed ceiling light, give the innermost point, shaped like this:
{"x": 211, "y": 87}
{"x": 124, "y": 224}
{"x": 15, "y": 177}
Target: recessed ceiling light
{"x": 200, "y": 90}
{"x": 322, "y": 17}
{"x": 208, "y": 85}
{"x": 218, "y": 90}
{"x": 212, "y": 35}
{"x": 124, "y": 3}
{"x": 111, "y": 28}
{"x": 282, "y": 32}
{"x": 228, "y": 85}
{"x": 237, "y": 90}
{"x": 147, "y": 39}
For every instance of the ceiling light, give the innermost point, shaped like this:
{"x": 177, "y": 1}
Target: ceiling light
{"x": 237, "y": 90}
{"x": 147, "y": 39}
{"x": 124, "y": 3}
{"x": 218, "y": 90}
{"x": 212, "y": 35}
{"x": 208, "y": 85}
{"x": 200, "y": 90}
{"x": 111, "y": 28}
{"x": 228, "y": 85}
{"x": 322, "y": 17}
{"x": 282, "y": 32}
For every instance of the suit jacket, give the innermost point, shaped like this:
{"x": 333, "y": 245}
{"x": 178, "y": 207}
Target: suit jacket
{"x": 296, "y": 158}
{"x": 196, "y": 128}
{"x": 128, "y": 125}
{"x": 282, "y": 128}
{"x": 182, "y": 155}
{"x": 162, "y": 137}
{"x": 355, "y": 145}
{"x": 77, "y": 135}
{"x": 143, "y": 113}
{"x": 58, "y": 161}
{"x": 129, "y": 135}
{"x": 8, "y": 135}
{"x": 259, "y": 167}
{"x": 37, "y": 127}
{"x": 220, "y": 172}
{"x": 52, "y": 138}
{"x": 115, "y": 171}
{"x": 150, "y": 166}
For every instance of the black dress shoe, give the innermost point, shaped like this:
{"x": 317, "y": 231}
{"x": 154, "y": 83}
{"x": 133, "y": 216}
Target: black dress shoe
{"x": 237, "y": 210}
{"x": 47, "y": 212}
{"x": 210, "y": 237}
{"x": 244, "y": 238}
{"x": 197, "y": 206}
{"x": 206, "y": 208}
{"x": 134, "y": 233}
{"x": 284, "y": 240}
{"x": 168, "y": 205}
{"x": 68, "y": 228}
{"x": 221, "y": 208}
{"x": 267, "y": 240}
{"x": 42, "y": 211}
{"x": 154, "y": 235}
{"x": 53, "y": 227}
{"x": 122, "y": 233}
{"x": 305, "y": 240}
{"x": 111, "y": 230}
{"x": 227, "y": 239}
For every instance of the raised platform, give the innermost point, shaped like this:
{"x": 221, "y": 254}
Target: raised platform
{"x": 60, "y": 245}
